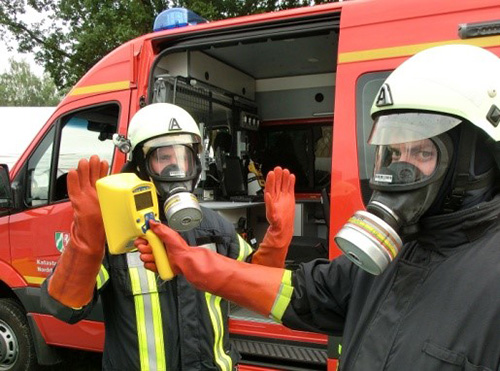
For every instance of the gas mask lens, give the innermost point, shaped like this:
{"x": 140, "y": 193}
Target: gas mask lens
{"x": 173, "y": 169}
{"x": 405, "y": 163}
{"x": 172, "y": 163}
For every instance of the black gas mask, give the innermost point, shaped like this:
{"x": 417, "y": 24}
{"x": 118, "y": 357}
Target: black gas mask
{"x": 174, "y": 169}
{"x": 412, "y": 157}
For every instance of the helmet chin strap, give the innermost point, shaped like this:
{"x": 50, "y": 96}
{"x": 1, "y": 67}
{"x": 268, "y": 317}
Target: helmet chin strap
{"x": 138, "y": 159}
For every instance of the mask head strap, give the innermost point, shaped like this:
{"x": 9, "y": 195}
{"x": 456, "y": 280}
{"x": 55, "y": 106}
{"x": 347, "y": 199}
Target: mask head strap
{"x": 462, "y": 181}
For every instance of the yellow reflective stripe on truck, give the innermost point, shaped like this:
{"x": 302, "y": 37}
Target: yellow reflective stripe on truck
{"x": 406, "y": 50}
{"x": 100, "y": 88}
{"x": 34, "y": 279}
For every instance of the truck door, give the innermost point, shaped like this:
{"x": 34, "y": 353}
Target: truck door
{"x": 40, "y": 229}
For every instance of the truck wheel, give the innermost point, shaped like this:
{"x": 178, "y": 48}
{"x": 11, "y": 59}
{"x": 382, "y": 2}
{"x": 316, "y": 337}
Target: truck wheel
{"x": 17, "y": 351}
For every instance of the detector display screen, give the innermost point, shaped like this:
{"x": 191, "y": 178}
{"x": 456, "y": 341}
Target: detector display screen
{"x": 143, "y": 200}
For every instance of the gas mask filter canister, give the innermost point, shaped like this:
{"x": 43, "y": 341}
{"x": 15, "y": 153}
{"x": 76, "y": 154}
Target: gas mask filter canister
{"x": 369, "y": 242}
{"x": 182, "y": 211}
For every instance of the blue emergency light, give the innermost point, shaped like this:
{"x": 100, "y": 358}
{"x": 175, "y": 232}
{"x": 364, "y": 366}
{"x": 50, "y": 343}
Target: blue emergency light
{"x": 176, "y": 17}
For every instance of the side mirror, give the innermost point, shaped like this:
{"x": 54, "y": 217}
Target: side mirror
{"x": 6, "y": 198}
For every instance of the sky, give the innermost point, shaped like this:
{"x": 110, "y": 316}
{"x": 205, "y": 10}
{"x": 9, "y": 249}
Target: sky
{"x": 19, "y": 126}
{"x": 30, "y": 16}
{"x": 4, "y": 60}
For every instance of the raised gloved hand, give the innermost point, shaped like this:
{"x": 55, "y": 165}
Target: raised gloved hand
{"x": 252, "y": 286}
{"x": 73, "y": 280}
{"x": 279, "y": 196}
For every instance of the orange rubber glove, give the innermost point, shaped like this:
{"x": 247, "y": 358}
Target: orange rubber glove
{"x": 279, "y": 196}
{"x": 252, "y": 286}
{"x": 74, "y": 278}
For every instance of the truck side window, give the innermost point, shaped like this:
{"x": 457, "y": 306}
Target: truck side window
{"x": 39, "y": 172}
{"x": 366, "y": 90}
{"x": 85, "y": 133}
{"x": 82, "y": 134}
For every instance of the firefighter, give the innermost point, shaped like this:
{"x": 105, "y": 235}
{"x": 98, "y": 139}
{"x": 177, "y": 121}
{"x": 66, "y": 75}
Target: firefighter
{"x": 436, "y": 305}
{"x": 153, "y": 324}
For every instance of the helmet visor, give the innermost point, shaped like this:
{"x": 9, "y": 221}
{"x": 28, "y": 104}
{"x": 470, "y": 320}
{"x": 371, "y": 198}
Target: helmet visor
{"x": 172, "y": 163}
{"x": 406, "y": 127}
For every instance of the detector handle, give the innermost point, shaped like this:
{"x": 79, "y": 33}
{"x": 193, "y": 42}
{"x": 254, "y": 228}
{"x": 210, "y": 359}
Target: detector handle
{"x": 160, "y": 254}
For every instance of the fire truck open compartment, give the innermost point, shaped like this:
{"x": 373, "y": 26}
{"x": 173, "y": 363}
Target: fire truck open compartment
{"x": 264, "y": 95}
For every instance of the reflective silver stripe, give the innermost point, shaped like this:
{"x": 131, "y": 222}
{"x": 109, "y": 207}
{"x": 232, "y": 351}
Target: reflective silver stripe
{"x": 148, "y": 315}
{"x": 245, "y": 249}
{"x": 210, "y": 246}
{"x": 102, "y": 277}
{"x": 223, "y": 360}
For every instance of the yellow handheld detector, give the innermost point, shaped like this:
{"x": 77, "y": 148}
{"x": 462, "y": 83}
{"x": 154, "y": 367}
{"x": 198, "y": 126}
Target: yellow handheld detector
{"x": 127, "y": 205}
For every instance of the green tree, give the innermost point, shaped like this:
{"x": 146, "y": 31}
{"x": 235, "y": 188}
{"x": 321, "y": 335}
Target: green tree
{"x": 19, "y": 86}
{"x": 77, "y": 33}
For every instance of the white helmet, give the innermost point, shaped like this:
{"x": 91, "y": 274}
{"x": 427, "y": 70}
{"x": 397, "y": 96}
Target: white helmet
{"x": 157, "y": 126}
{"x": 435, "y": 91}
{"x": 163, "y": 145}
{"x": 458, "y": 80}
{"x": 162, "y": 124}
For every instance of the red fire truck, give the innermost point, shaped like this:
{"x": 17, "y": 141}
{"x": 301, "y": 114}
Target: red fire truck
{"x": 292, "y": 88}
